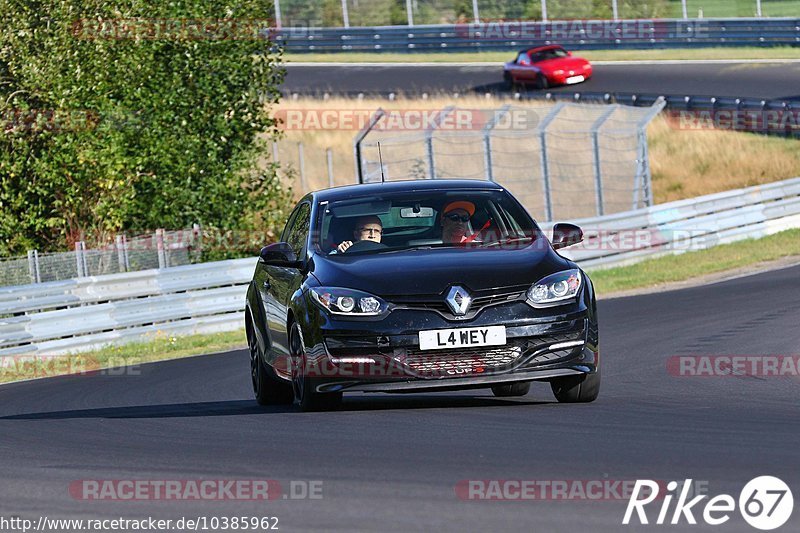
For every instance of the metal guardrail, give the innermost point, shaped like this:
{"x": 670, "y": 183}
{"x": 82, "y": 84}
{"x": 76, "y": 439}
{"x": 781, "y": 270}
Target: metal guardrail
{"x": 574, "y": 34}
{"x": 687, "y": 225}
{"x": 87, "y": 313}
{"x": 772, "y": 117}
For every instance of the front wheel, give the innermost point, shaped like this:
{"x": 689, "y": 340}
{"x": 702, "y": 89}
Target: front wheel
{"x": 577, "y": 389}
{"x": 541, "y": 82}
{"x": 268, "y": 389}
{"x": 305, "y": 394}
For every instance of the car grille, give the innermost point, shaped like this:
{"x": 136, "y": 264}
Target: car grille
{"x": 480, "y": 300}
{"x": 475, "y": 361}
{"x": 456, "y": 362}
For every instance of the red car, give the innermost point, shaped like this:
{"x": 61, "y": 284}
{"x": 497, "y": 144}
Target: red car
{"x": 546, "y": 66}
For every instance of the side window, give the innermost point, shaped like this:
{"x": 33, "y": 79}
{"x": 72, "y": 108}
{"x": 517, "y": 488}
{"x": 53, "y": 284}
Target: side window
{"x": 296, "y": 233}
{"x": 523, "y": 59}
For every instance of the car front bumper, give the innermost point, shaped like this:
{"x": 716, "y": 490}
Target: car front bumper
{"x": 385, "y": 356}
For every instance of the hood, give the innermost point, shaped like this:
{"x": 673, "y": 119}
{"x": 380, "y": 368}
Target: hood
{"x": 563, "y": 63}
{"x": 432, "y": 271}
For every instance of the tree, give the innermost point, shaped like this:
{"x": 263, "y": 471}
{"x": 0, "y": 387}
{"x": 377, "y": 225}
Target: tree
{"x": 126, "y": 115}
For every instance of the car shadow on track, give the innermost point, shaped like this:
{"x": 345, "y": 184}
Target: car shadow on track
{"x": 373, "y": 403}
{"x": 249, "y": 407}
{"x": 173, "y": 410}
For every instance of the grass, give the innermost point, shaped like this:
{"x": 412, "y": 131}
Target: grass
{"x": 685, "y": 163}
{"x": 778, "y": 52}
{"x": 159, "y": 347}
{"x": 690, "y": 265}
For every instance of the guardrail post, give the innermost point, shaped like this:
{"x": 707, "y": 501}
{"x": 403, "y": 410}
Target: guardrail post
{"x": 329, "y": 155}
{"x": 121, "y": 252}
{"x": 548, "y": 199}
{"x": 487, "y": 141}
{"x": 615, "y": 9}
{"x": 476, "y": 16}
{"x": 278, "y": 14}
{"x": 643, "y": 178}
{"x": 162, "y": 255}
{"x": 409, "y": 13}
{"x": 275, "y": 158}
{"x": 429, "y": 140}
{"x": 345, "y": 14}
{"x": 685, "y": 9}
{"x": 598, "y": 177}
{"x": 33, "y": 266}
{"x": 80, "y": 259}
{"x": 302, "y": 164}
{"x": 758, "y": 9}
{"x": 544, "y": 10}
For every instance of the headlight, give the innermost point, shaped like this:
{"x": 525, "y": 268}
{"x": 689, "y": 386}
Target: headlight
{"x": 558, "y": 287}
{"x": 348, "y": 302}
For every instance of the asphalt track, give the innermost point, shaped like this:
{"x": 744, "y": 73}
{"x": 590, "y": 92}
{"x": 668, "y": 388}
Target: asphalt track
{"x": 391, "y": 462}
{"x": 734, "y": 80}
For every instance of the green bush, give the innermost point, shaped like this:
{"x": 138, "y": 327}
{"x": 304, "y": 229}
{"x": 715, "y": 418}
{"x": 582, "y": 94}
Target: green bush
{"x": 113, "y": 121}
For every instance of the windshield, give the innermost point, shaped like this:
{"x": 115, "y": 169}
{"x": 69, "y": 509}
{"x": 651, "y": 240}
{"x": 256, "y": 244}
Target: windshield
{"x": 427, "y": 219}
{"x": 553, "y": 53}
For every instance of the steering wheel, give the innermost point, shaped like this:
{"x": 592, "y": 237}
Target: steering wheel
{"x": 363, "y": 246}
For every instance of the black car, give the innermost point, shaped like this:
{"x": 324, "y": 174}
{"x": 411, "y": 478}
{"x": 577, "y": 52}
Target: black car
{"x": 452, "y": 285}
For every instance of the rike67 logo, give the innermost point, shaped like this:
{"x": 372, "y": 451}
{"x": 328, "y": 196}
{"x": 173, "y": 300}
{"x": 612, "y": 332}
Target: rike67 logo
{"x": 765, "y": 503}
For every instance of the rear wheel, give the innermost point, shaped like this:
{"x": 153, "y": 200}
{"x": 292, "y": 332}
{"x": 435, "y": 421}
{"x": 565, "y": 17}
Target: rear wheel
{"x": 268, "y": 389}
{"x": 304, "y": 391}
{"x": 509, "y": 80}
{"x": 577, "y": 389}
{"x": 511, "y": 389}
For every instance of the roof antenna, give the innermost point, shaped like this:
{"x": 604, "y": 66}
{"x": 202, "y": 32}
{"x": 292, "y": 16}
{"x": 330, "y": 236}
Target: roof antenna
{"x": 380, "y": 159}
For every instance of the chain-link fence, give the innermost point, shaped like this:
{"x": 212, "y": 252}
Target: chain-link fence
{"x": 562, "y": 160}
{"x": 161, "y": 249}
{"x": 346, "y": 13}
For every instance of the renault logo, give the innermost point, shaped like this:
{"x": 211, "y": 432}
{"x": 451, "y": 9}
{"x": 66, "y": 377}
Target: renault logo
{"x": 458, "y": 299}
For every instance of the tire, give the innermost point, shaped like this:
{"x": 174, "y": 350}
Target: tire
{"x": 302, "y": 384}
{"x": 509, "y": 81}
{"x": 268, "y": 390}
{"x": 542, "y": 83}
{"x": 511, "y": 389}
{"x": 577, "y": 389}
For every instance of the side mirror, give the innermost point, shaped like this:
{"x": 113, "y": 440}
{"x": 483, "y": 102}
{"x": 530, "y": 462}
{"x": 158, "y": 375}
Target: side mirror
{"x": 566, "y": 235}
{"x": 279, "y": 254}
{"x": 569, "y": 54}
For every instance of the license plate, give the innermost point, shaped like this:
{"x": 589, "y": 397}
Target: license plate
{"x": 575, "y": 79}
{"x": 439, "y": 339}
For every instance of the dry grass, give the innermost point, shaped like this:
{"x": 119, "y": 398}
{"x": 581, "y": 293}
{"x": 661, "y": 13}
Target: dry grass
{"x": 688, "y": 163}
{"x": 684, "y": 163}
